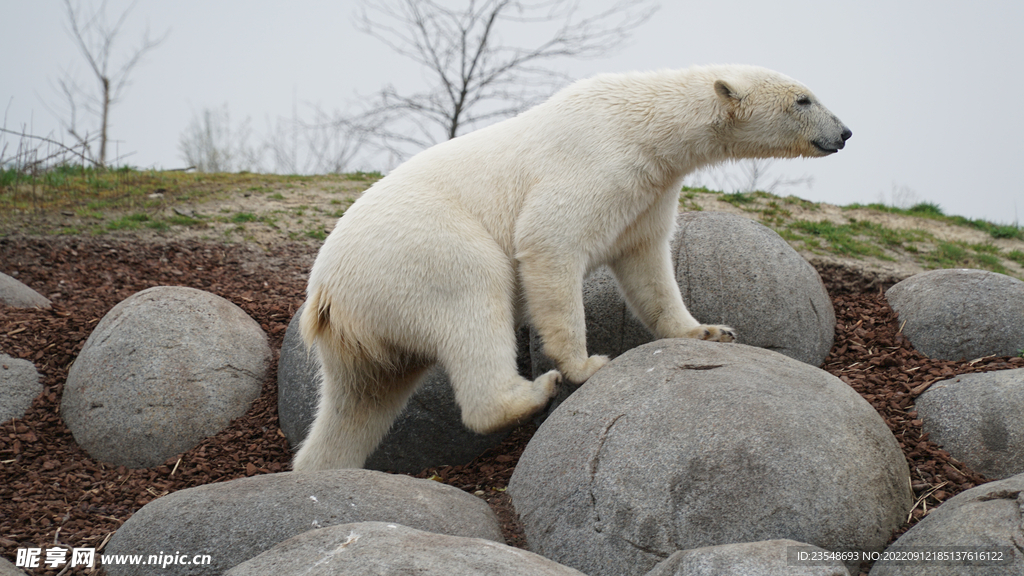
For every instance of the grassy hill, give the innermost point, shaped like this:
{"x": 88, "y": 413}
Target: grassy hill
{"x": 266, "y": 208}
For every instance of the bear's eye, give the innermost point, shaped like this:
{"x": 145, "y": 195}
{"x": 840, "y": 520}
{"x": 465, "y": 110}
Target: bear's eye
{"x": 803, "y": 101}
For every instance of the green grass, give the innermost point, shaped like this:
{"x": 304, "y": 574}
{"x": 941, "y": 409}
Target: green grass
{"x": 927, "y": 209}
{"x": 998, "y": 231}
{"x": 738, "y": 198}
{"x": 800, "y": 202}
{"x": 985, "y": 248}
{"x": 129, "y": 222}
{"x": 963, "y": 255}
{"x": 861, "y": 238}
{"x": 126, "y": 188}
{"x": 934, "y": 212}
{"x": 360, "y": 176}
{"x": 179, "y": 220}
{"x": 842, "y": 239}
{"x": 124, "y": 199}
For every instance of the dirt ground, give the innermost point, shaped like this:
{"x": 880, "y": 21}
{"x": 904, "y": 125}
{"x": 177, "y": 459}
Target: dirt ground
{"x": 268, "y": 214}
{"x": 51, "y": 491}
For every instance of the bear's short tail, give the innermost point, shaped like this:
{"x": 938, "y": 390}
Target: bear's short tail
{"x": 315, "y": 323}
{"x": 335, "y": 332}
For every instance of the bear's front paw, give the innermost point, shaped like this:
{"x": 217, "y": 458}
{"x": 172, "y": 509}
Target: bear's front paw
{"x": 583, "y": 372}
{"x": 713, "y": 333}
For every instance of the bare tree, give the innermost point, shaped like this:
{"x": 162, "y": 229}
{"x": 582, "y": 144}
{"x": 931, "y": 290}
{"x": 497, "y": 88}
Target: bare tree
{"x": 322, "y": 145}
{"x": 95, "y": 38}
{"x": 751, "y": 175}
{"x": 330, "y": 147}
{"x": 902, "y": 196}
{"x": 211, "y": 144}
{"x": 33, "y": 154}
{"x": 757, "y": 175}
{"x": 475, "y": 77}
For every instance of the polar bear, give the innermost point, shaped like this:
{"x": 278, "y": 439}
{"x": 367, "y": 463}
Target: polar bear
{"x": 441, "y": 259}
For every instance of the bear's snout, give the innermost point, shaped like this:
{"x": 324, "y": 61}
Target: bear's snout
{"x": 833, "y": 145}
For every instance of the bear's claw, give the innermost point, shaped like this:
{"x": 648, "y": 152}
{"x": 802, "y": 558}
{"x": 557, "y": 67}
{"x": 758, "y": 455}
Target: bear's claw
{"x": 713, "y": 333}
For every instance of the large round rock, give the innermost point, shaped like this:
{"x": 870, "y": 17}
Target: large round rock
{"x": 237, "y": 520}
{"x": 730, "y": 270}
{"x": 682, "y": 444}
{"x": 979, "y": 419}
{"x": 164, "y": 369}
{"x": 385, "y": 549}
{"x": 961, "y": 314}
{"x": 16, "y": 295}
{"x": 429, "y": 432}
{"x": 984, "y": 519}
{"x": 297, "y": 384}
{"x": 19, "y": 386}
{"x": 770, "y": 558}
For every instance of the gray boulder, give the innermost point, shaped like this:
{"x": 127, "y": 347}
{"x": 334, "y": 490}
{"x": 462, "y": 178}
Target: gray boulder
{"x": 237, "y": 520}
{"x": 19, "y": 386}
{"x": 297, "y": 388}
{"x": 986, "y": 518}
{"x": 429, "y": 432}
{"x": 961, "y": 314}
{"x": 164, "y": 369}
{"x": 8, "y": 569}
{"x": 16, "y": 295}
{"x": 768, "y": 558}
{"x": 393, "y": 550}
{"x": 979, "y": 419}
{"x": 731, "y": 270}
{"x": 682, "y": 444}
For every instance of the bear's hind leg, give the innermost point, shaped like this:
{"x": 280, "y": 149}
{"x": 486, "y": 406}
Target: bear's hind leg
{"x": 357, "y": 408}
{"x": 480, "y": 360}
{"x": 492, "y": 400}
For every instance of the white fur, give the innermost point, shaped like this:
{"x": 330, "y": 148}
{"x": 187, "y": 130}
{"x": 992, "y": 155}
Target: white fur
{"x": 440, "y": 260}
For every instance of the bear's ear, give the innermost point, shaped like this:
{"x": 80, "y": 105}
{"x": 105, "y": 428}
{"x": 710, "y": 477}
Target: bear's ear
{"x": 726, "y": 93}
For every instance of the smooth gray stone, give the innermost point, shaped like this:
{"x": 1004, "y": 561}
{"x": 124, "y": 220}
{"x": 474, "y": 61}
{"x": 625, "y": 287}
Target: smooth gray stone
{"x": 683, "y": 444}
{"x": 979, "y": 420}
{"x": 961, "y": 314}
{"x": 237, "y": 520}
{"x": 385, "y": 549}
{"x": 985, "y": 518}
{"x": 163, "y": 370}
{"x": 19, "y": 385}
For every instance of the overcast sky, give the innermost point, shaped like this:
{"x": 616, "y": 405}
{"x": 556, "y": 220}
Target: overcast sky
{"x": 931, "y": 89}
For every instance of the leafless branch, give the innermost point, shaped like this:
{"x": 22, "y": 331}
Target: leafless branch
{"x": 475, "y": 76}
{"x": 751, "y": 175}
{"x": 95, "y": 38}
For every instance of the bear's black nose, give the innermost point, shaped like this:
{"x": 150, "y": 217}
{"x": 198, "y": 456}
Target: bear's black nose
{"x": 846, "y": 134}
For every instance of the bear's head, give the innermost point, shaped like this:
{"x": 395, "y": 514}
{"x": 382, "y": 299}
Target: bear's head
{"x": 768, "y": 115}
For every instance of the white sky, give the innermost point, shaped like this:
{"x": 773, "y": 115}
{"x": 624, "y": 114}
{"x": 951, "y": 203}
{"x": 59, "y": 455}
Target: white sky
{"x": 926, "y": 86}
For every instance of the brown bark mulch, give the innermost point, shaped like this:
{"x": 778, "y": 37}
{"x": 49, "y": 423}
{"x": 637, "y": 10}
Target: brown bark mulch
{"x": 51, "y": 491}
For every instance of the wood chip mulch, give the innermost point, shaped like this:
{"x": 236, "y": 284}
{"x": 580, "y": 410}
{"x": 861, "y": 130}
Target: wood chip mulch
{"x": 51, "y": 491}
